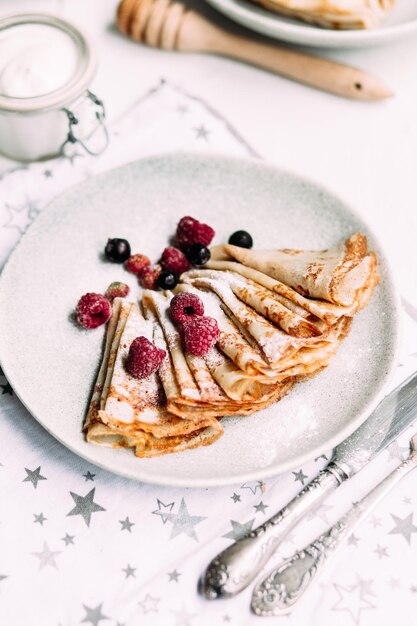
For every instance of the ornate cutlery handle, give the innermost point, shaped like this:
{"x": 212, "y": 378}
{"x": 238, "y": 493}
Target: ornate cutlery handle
{"x": 286, "y": 584}
{"x": 233, "y": 569}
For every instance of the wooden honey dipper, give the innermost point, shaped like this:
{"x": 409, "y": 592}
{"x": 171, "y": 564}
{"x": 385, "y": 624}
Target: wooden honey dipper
{"x": 173, "y": 26}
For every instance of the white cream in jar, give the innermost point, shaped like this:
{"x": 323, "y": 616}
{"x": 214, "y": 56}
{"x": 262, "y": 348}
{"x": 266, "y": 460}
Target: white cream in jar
{"x": 35, "y": 59}
{"x": 46, "y": 106}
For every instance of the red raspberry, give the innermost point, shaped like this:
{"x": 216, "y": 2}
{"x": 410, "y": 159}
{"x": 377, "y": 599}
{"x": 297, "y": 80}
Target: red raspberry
{"x": 137, "y": 263}
{"x": 199, "y": 335}
{"x": 184, "y": 307}
{"x": 175, "y": 261}
{"x": 191, "y": 231}
{"x": 148, "y": 278}
{"x": 144, "y": 358}
{"x": 117, "y": 290}
{"x": 93, "y": 310}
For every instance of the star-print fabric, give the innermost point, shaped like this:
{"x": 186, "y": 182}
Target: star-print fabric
{"x": 79, "y": 545}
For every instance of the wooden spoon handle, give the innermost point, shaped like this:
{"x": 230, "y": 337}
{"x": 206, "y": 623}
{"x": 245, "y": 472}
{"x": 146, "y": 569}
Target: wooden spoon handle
{"x": 342, "y": 80}
{"x": 171, "y": 25}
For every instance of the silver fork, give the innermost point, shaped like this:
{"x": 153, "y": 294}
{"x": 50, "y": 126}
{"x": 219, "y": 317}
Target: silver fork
{"x": 285, "y": 585}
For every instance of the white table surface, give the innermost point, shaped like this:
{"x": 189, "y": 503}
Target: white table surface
{"x": 367, "y": 153}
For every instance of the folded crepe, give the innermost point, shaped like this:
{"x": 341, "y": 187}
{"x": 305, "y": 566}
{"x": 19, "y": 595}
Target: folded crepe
{"x": 339, "y": 275}
{"x": 277, "y": 352}
{"x": 336, "y": 14}
{"x": 214, "y": 384}
{"x": 292, "y": 322}
{"x": 282, "y": 315}
{"x": 129, "y": 412}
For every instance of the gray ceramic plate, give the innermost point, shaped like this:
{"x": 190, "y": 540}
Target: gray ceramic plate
{"x": 400, "y": 22}
{"x": 52, "y": 364}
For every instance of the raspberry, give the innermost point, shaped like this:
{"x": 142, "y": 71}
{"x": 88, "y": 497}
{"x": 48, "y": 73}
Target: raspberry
{"x": 199, "y": 335}
{"x": 93, "y": 310}
{"x": 144, "y": 358}
{"x": 184, "y": 307}
{"x": 190, "y": 231}
{"x": 148, "y": 278}
{"x": 175, "y": 261}
{"x": 117, "y": 290}
{"x": 137, "y": 263}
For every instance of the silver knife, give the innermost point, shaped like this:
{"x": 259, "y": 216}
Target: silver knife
{"x": 235, "y": 568}
{"x": 286, "y": 585}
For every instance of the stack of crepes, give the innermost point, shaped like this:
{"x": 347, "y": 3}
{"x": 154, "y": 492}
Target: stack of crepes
{"x": 281, "y": 314}
{"x": 336, "y": 14}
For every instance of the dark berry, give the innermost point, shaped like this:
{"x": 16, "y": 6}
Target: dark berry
{"x": 117, "y": 250}
{"x": 198, "y": 254}
{"x": 242, "y": 239}
{"x": 167, "y": 280}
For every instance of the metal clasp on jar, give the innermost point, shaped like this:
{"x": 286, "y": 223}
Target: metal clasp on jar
{"x": 85, "y": 137}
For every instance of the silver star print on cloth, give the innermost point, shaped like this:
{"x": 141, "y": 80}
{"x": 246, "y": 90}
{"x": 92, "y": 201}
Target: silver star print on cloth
{"x": 33, "y": 476}
{"x": 46, "y": 557}
{"x": 85, "y": 506}
{"x": 183, "y": 522}
{"x": 82, "y": 547}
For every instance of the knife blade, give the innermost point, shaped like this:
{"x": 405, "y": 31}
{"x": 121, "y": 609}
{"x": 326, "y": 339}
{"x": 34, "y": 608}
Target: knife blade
{"x": 235, "y": 568}
{"x": 390, "y": 418}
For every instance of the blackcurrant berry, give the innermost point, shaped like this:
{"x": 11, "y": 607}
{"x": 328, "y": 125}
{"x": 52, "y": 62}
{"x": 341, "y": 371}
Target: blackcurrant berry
{"x": 167, "y": 280}
{"x": 198, "y": 254}
{"x": 117, "y": 250}
{"x": 242, "y": 239}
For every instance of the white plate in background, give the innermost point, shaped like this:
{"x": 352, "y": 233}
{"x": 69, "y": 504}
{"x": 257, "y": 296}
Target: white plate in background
{"x": 399, "y": 23}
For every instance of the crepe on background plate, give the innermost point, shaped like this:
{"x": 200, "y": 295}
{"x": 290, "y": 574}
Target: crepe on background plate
{"x": 335, "y": 14}
{"x": 281, "y": 314}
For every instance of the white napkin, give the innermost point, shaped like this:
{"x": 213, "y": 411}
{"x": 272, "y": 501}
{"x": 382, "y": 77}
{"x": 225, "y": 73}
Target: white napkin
{"x": 81, "y": 546}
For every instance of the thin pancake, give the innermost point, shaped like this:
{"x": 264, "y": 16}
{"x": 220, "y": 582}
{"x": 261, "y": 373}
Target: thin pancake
{"x": 273, "y": 332}
{"x": 263, "y": 301}
{"x": 131, "y": 412}
{"x": 336, "y": 274}
{"x": 232, "y": 341}
{"x": 336, "y": 14}
{"x": 234, "y": 382}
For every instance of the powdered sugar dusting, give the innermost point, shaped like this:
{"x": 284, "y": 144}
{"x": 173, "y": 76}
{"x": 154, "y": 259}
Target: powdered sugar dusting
{"x": 290, "y": 213}
{"x": 214, "y": 358}
{"x": 274, "y": 343}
